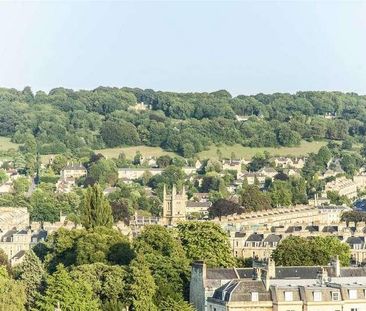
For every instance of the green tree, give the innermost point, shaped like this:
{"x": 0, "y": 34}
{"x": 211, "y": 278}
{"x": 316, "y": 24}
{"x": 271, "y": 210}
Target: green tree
{"x": 206, "y": 241}
{"x": 169, "y": 304}
{"x": 224, "y": 207}
{"x": 299, "y": 251}
{"x": 31, "y": 274}
{"x": 281, "y": 194}
{"x": 167, "y": 261}
{"x": 252, "y": 199}
{"x": 59, "y": 163}
{"x": 96, "y": 210}
{"x": 142, "y": 287}
{"x": 103, "y": 172}
{"x": 3, "y": 177}
{"x": 12, "y": 293}
{"x": 107, "y": 282}
{"x": 70, "y": 294}
{"x": 21, "y": 185}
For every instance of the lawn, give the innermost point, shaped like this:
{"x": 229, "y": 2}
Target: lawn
{"x": 6, "y": 144}
{"x": 131, "y": 151}
{"x": 248, "y": 152}
{"x": 226, "y": 151}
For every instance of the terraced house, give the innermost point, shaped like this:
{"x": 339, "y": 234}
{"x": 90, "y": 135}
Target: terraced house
{"x": 271, "y": 288}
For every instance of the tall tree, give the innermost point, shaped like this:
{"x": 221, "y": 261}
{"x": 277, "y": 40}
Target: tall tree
{"x": 12, "y": 293}
{"x": 96, "y": 210}
{"x": 206, "y": 241}
{"x": 299, "y": 251}
{"x": 31, "y": 273}
{"x": 70, "y": 294}
{"x": 142, "y": 287}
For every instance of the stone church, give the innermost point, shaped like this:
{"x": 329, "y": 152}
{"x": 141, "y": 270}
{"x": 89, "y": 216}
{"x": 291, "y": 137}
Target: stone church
{"x": 174, "y": 207}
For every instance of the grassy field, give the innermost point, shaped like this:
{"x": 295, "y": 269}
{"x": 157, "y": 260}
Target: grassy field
{"x": 6, "y": 144}
{"x": 248, "y": 153}
{"x": 131, "y": 151}
{"x": 226, "y": 151}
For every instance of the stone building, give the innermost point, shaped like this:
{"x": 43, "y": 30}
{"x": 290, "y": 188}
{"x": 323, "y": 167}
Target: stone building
{"x": 73, "y": 170}
{"x": 297, "y": 214}
{"x": 174, "y": 207}
{"x": 271, "y": 288}
{"x": 342, "y": 186}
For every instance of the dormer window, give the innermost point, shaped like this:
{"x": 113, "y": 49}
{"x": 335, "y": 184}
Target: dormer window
{"x": 352, "y": 294}
{"x": 335, "y": 296}
{"x": 289, "y": 296}
{"x": 255, "y": 296}
{"x": 317, "y": 296}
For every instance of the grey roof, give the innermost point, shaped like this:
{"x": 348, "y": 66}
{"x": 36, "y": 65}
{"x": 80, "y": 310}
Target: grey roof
{"x": 221, "y": 273}
{"x": 355, "y": 240}
{"x": 245, "y": 273}
{"x": 19, "y": 254}
{"x": 241, "y": 290}
{"x": 330, "y": 229}
{"x": 40, "y": 235}
{"x": 272, "y": 238}
{"x": 350, "y": 271}
{"x": 298, "y": 272}
{"x": 293, "y": 228}
{"x": 198, "y": 204}
{"x": 8, "y": 235}
{"x": 255, "y": 237}
{"x": 240, "y": 234}
{"x": 75, "y": 166}
{"x": 312, "y": 228}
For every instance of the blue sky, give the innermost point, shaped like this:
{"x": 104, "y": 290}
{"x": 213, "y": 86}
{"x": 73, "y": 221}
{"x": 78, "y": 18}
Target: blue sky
{"x": 244, "y": 47}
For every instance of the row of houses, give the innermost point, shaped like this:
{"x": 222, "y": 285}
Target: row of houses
{"x": 276, "y": 288}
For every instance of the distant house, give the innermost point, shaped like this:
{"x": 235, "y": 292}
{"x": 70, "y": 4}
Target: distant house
{"x": 197, "y": 207}
{"x": 131, "y": 173}
{"x": 342, "y": 186}
{"x": 73, "y": 170}
{"x": 287, "y": 162}
{"x": 269, "y": 172}
{"x": 139, "y": 107}
{"x": 232, "y": 165}
{"x": 251, "y": 177}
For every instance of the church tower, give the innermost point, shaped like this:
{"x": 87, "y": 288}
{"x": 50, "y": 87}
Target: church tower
{"x": 174, "y": 207}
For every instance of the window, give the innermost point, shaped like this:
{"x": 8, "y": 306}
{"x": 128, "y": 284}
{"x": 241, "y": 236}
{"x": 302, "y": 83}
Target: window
{"x": 317, "y": 296}
{"x": 335, "y": 296}
{"x": 255, "y": 296}
{"x": 352, "y": 295}
{"x": 354, "y": 309}
{"x": 288, "y": 296}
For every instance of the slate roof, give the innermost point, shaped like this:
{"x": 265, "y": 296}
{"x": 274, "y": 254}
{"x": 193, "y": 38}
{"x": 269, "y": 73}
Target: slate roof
{"x": 297, "y": 272}
{"x": 272, "y": 238}
{"x": 240, "y": 234}
{"x": 355, "y": 240}
{"x": 330, "y": 229}
{"x": 221, "y": 273}
{"x": 74, "y": 166}
{"x": 198, "y": 204}
{"x": 245, "y": 273}
{"x": 241, "y": 290}
{"x": 350, "y": 271}
{"x": 255, "y": 237}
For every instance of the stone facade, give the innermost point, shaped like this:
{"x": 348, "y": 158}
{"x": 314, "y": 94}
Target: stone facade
{"x": 271, "y": 288}
{"x": 174, "y": 207}
{"x": 298, "y": 214}
{"x": 343, "y": 186}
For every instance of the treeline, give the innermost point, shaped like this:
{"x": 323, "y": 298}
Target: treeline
{"x": 77, "y": 121}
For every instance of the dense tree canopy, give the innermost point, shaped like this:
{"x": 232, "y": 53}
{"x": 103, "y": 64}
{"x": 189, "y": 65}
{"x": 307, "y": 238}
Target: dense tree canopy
{"x": 318, "y": 251}
{"x": 68, "y": 120}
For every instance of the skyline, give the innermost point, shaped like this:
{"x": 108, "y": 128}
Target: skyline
{"x": 243, "y": 47}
